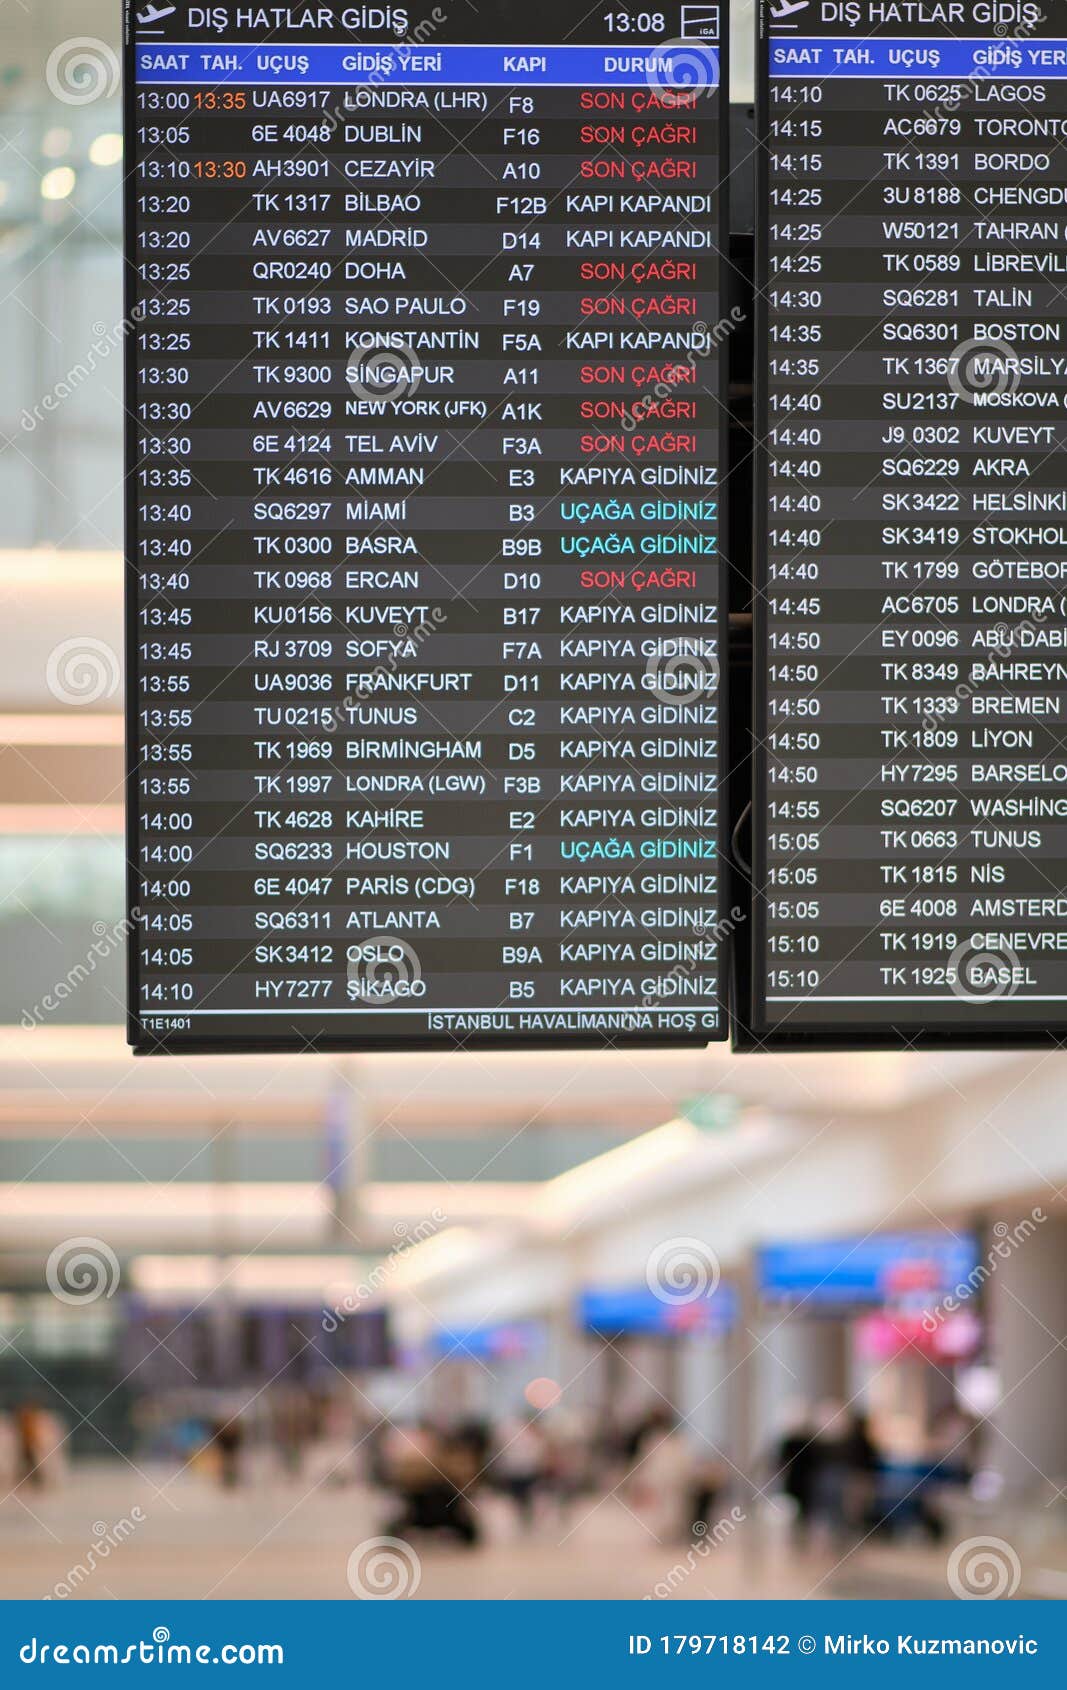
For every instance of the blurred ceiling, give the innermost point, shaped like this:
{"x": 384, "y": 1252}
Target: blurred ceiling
{"x": 52, "y": 1075}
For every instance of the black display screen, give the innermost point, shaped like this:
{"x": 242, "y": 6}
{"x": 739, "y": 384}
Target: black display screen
{"x": 911, "y": 546}
{"x": 424, "y": 590}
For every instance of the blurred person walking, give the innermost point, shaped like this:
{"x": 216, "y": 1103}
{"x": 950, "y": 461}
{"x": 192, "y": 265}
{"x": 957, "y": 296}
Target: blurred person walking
{"x": 9, "y": 1454}
{"x": 51, "y": 1447}
{"x": 709, "y": 1479}
{"x": 430, "y": 1473}
{"x": 521, "y": 1466}
{"x": 863, "y": 1464}
{"x": 661, "y": 1480}
{"x": 570, "y": 1458}
{"x": 795, "y": 1462}
{"x": 227, "y": 1440}
{"x": 30, "y": 1433}
{"x": 832, "y": 1458}
{"x": 292, "y": 1427}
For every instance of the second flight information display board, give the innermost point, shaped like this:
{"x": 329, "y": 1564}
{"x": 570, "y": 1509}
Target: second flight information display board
{"x": 911, "y": 546}
{"x": 425, "y": 607}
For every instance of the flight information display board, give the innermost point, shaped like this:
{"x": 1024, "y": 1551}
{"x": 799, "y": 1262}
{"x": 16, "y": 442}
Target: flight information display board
{"x": 910, "y": 637}
{"x": 424, "y": 594}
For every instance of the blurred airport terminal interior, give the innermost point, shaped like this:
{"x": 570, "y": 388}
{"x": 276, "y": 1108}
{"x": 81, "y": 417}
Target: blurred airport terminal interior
{"x": 565, "y": 1324}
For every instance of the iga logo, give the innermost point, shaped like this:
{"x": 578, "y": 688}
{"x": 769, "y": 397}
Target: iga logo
{"x": 698, "y": 21}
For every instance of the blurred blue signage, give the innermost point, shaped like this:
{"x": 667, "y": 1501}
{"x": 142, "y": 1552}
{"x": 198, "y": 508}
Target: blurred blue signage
{"x": 887, "y": 1268}
{"x": 505, "y": 1340}
{"x": 620, "y": 1309}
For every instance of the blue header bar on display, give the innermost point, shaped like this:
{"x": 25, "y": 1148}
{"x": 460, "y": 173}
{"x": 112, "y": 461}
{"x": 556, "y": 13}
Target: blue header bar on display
{"x": 821, "y": 56}
{"x": 686, "y": 67}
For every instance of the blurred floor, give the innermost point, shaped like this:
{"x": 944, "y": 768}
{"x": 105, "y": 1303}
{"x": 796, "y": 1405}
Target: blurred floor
{"x": 276, "y": 1540}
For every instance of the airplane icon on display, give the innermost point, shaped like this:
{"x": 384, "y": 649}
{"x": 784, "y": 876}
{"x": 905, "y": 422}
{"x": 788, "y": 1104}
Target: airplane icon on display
{"x": 153, "y": 14}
